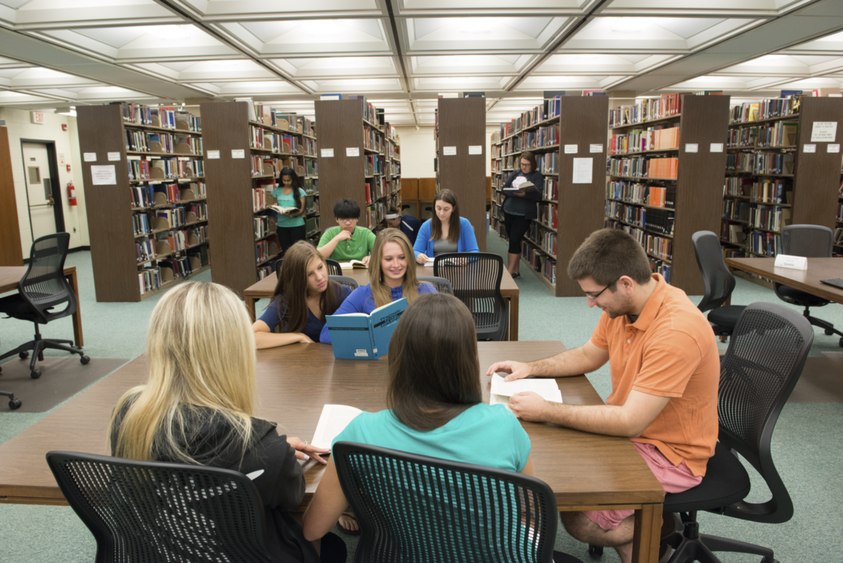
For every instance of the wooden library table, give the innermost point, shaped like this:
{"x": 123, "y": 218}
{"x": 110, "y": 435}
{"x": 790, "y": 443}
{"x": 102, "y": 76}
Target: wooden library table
{"x": 11, "y": 275}
{"x": 585, "y": 471}
{"x": 803, "y": 280}
{"x": 509, "y": 290}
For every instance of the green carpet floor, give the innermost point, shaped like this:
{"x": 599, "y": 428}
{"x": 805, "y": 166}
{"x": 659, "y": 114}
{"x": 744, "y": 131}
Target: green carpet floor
{"x": 807, "y": 444}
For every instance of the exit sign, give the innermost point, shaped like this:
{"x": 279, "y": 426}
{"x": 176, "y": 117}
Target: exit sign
{"x": 38, "y": 117}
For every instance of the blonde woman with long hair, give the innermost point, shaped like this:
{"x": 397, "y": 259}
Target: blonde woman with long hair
{"x": 303, "y": 296}
{"x": 392, "y": 275}
{"x": 197, "y": 407}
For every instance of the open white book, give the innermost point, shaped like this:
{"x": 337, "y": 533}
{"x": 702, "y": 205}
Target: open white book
{"x": 332, "y": 421}
{"x": 502, "y": 390}
{"x": 353, "y": 265}
{"x": 283, "y": 210}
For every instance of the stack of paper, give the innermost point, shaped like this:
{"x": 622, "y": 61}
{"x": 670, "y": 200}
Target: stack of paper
{"x": 503, "y": 390}
{"x": 333, "y": 420}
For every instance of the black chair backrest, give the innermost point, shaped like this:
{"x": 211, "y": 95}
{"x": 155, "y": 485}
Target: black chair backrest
{"x": 334, "y": 267}
{"x": 476, "y": 279}
{"x": 43, "y": 285}
{"x": 719, "y": 281}
{"x": 345, "y": 280}
{"x": 765, "y": 357}
{"x": 414, "y": 508}
{"x": 441, "y": 284}
{"x": 157, "y": 512}
{"x": 811, "y": 241}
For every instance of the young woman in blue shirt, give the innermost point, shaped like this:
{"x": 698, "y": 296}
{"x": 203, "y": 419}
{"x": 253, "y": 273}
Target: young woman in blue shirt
{"x": 435, "y": 405}
{"x": 290, "y": 225}
{"x": 446, "y": 231}
{"x": 392, "y": 275}
{"x": 303, "y": 296}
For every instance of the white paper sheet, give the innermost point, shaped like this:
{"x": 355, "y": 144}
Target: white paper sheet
{"x": 582, "y": 170}
{"x": 502, "y": 390}
{"x": 332, "y": 421}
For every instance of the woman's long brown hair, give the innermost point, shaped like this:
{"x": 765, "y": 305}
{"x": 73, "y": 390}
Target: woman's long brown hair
{"x": 291, "y": 288}
{"x": 446, "y": 196}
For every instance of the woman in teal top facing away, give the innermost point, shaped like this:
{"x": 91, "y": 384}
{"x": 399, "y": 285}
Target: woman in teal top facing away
{"x": 435, "y": 405}
{"x": 290, "y": 194}
{"x": 392, "y": 275}
{"x": 446, "y": 231}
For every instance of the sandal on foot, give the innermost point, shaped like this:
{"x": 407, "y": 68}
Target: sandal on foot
{"x": 348, "y": 531}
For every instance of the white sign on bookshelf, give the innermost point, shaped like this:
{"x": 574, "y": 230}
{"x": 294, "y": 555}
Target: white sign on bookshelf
{"x": 595, "y": 148}
{"x": 104, "y": 175}
{"x": 326, "y": 153}
{"x": 113, "y": 156}
{"x": 213, "y": 155}
{"x": 823, "y": 131}
{"x": 475, "y": 149}
{"x": 352, "y": 151}
{"x": 238, "y": 153}
{"x": 716, "y": 147}
{"x": 89, "y": 157}
{"x": 449, "y": 151}
{"x": 692, "y": 147}
{"x": 809, "y": 148}
{"x": 571, "y": 149}
{"x": 833, "y": 148}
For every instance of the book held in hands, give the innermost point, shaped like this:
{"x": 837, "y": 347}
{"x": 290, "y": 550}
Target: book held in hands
{"x": 358, "y": 336}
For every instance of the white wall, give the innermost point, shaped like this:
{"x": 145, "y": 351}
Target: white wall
{"x": 19, "y": 125}
{"x": 418, "y": 149}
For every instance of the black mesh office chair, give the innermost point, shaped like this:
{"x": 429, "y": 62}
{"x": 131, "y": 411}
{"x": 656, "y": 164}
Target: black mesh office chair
{"x": 334, "y": 267}
{"x": 441, "y": 284}
{"x": 811, "y": 241}
{"x": 163, "y": 512}
{"x": 719, "y": 283}
{"x": 476, "y": 279}
{"x": 414, "y": 508}
{"x": 42, "y": 288}
{"x": 345, "y": 280}
{"x": 765, "y": 357}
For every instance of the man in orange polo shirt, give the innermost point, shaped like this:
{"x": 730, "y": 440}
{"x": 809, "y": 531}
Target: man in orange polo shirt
{"x": 665, "y": 370}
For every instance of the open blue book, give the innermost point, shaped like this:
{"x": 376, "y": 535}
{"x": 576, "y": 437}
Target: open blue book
{"x": 358, "y": 336}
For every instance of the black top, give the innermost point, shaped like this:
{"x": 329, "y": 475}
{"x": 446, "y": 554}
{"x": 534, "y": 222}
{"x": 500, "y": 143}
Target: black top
{"x": 211, "y": 440}
{"x": 526, "y": 205}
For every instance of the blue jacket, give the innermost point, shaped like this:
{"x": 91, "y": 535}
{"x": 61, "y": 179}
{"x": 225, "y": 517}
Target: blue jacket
{"x": 467, "y": 242}
{"x": 361, "y": 301}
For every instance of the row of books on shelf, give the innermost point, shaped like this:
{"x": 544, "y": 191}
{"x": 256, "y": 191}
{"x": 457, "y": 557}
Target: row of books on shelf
{"x": 166, "y": 117}
{"x": 642, "y": 194}
{"x": 266, "y": 249}
{"x": 766, "y": 109}
{"x": 275, "y": 117}
{"x": 549, "y": 109}
{"x": 262, "y": 197}
{"x": 548, "y": 163}
{"x": 667, "y": 105}
{"x": 551, "y": 189}
{"x": 660, "y": 249}
{"x": 145, "y": 223}
{"x": 768, "y": 191}
{"x": 150, "y": 195}
{"x": 392, "y": 168}
{"x": 544, "y": 239}
{"x": 310, "y": 147}
{"x": 541, "y": 137}
{"x": 144, "y": 141}
{"x": 548, "y": 215}
{"x": 261, "y": 138}
{"x": 264, "y": 225}
{"x": 650, "y": 139}
{"x": 375, "y": 214}
{"x": 751, "y": 162}
{"x": 655, "y": 220}
{"x": 166, "y": 271}
{"x": 541, "y": 263}
{"x": 376, "y": 190}
{"x": 165, "y": 168}
{"x": 761, "y": 242}
{"x": 372, "y": 164}
{"x": 311, "y": 186}
{"x": 773, "y": 135}
{"x": 164, "y": 244}
{"x": 644, "y": 167}
{"x": 372, "y": 139}
{"x": 769, "y": 218}
{"x": 838, "y": 236}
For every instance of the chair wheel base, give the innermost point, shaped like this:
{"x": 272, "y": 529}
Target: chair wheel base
{"x": 765, "y": 560}
{"x": 23, "y": 355}
{"x": 595, "y": 549}
{"x": 15, "y": 404}
{"x": 829, "y": 332}
{"x": 84, "y": 360}
{"x": 35, "y": 374}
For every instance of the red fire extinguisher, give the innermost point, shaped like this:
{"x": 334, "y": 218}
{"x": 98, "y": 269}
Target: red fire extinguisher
{"x": 71, "y": 194}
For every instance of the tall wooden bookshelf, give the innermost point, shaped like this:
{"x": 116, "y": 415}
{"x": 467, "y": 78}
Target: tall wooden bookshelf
{"x": 571, "y": 207}
{"x": 245, "y": 152}
{"x": 357, "y": 160}
{"x": 461, "y": 128}
{"x": 776, "y": 174}
{"x": 143, "y": 171}
{"x": 662, "y": 189}
{"x": 310, "y": 178}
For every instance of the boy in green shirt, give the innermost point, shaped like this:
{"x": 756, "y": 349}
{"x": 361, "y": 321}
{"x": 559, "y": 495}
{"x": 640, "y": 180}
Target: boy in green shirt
{"x": 347, "y": 242}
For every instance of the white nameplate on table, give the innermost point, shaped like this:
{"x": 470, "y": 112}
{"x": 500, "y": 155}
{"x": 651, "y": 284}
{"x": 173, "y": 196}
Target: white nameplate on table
{"x": 792, "y": 262}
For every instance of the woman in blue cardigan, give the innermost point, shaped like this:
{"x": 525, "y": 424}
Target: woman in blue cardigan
{"x": 446, "y": 232}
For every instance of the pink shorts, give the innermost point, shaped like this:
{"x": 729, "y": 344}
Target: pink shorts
{"x": 674, "y": 479}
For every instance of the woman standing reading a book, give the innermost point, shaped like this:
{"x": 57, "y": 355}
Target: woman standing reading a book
{"x": 303, "y": 296}
{"x": 197, "y": 408}
{"x": 435, "y": 405}
{"x": 446, "y": 231}
{"x": 521, "y": 191}
{"x": 392, "y": 275}
{"x": 289, "y": 211}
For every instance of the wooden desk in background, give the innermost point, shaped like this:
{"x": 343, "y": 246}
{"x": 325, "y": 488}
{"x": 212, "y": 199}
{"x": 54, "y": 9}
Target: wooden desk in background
{"x": 585, "y": 471}
{"x": 509, "y": 290}
{"x": 803, "y": 280}
{"x": 11, "y": 275}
